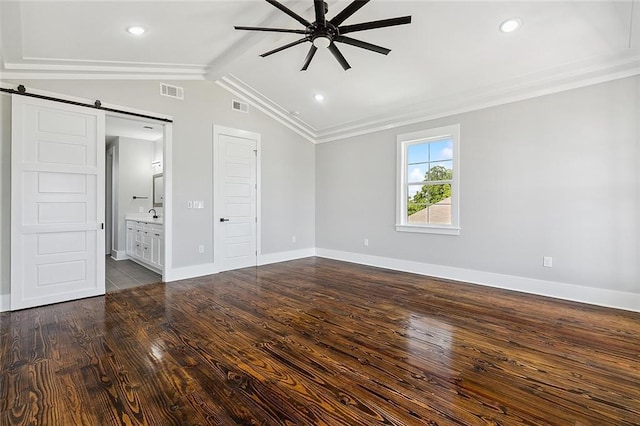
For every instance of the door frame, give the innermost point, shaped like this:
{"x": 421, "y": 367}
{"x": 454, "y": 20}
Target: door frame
{"x": 217, "y": 131}
{"x": 109, "y": 207}
{"x": 167, "y": 171}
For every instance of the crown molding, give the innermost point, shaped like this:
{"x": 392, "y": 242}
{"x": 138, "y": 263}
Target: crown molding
{"x": 94, "y": 76}
{"x": 526, "y": 87}
{"x": 248, "y": 94}
{"x": 554, "y": 80}
{"x": 81, "y": 65}
{"x": 558, "y": 79}
{"x": 101, "y": 71}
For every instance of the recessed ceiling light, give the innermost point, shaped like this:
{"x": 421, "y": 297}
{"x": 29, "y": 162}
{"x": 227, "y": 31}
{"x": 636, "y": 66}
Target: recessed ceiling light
{"x": 510, "y": 25}
{"x": 135, "y": 30}
{"x": 318, "y": 97}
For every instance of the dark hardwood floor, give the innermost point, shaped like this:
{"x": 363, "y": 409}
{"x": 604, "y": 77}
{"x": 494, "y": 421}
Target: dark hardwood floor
{"x": 316, "y": 341}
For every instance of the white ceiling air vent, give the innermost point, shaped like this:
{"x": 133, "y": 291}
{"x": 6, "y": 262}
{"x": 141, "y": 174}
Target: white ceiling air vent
{"x": 171, "y": 91}
{"x": 239, "y": 106}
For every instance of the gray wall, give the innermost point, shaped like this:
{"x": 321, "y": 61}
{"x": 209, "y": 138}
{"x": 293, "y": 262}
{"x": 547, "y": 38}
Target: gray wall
{"x": 288, "y": 164}
{"x": 553, "y": 176}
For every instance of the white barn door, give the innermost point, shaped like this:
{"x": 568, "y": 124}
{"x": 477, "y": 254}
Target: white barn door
{"x": 57, "y": 202}
{"x": 237, "y": 198}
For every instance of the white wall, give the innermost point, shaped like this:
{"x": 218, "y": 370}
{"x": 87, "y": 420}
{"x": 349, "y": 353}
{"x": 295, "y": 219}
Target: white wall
{"x": 133, "y": 178}
{"x": 288, "y": 165}
{"x": 551, "y": 176}
{"x": 5, "y": 197}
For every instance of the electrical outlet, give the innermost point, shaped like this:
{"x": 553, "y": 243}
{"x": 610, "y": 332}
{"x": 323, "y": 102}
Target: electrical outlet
{"x": 547, "y": 262}
{"x": 365, "y": 242}
{"x": 293, "y": 239}
{"x": 200, "y": 248}
{"x": 189, "y": 204}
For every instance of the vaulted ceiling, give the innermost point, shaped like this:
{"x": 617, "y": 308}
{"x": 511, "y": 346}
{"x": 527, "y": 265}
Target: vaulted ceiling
{"x": 451, "y": 58}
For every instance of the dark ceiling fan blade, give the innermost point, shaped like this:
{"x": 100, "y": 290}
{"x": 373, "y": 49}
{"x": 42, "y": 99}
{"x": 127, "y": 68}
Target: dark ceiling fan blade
{"x": 362, "y": 44}
{"x": 336, "y": 53}
{"x": 347, "y": 12}
{"x": 286, "y": 46}
{"x": 290, "y": 13}
{"x": 375, "y": 24}
{"x": 273, "y": 30}
{"x": 309, "y": 57}
{"x": 319, "y": 6}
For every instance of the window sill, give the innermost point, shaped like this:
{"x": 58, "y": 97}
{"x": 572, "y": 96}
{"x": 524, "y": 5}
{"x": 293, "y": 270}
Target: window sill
{"x": 422, "y": 229}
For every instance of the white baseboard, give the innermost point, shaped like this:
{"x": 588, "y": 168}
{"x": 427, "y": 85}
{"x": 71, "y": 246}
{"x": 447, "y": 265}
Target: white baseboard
{"x": 119, "y": 255}
{"x": 194, "y": 271}
{"x": 576, "y": 293}
{"x": 187, "y": 272}
{"x": 5, "y": 302}
{"x": 283, "y": 256}
{"x": 211, "y": 268}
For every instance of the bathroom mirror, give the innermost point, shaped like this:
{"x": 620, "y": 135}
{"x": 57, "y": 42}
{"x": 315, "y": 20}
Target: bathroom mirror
{"x": 158, "y": 190}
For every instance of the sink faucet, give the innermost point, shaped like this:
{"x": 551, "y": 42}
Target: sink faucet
{"x": 155, "y": 214}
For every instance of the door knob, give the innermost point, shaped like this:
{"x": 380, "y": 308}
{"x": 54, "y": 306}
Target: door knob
{"x": 223, "y": 219}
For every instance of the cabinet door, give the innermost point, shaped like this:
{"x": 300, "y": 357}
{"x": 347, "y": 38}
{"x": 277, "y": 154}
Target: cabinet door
{"x": 146, "y": 252}
{"x": 131, "y": 238}
{"x": 161, "y": 252}
{"x": 156, "y": 248}
{"x": 137, "y": 249}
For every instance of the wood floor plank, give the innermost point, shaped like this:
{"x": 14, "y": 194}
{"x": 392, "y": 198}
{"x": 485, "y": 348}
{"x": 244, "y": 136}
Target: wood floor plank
{"x": 316, "y": 341}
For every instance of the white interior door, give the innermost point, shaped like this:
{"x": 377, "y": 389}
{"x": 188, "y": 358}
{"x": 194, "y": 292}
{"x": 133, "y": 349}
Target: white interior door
{"x": 57, "y": 202}
{"x": 237, "y": 199}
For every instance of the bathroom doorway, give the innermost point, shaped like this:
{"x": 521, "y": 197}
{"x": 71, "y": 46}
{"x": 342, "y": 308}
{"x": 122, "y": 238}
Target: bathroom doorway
{"x": 134, "y": 205}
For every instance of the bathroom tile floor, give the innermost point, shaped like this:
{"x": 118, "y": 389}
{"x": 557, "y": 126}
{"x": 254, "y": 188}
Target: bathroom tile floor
{"x": 123, "y": 274}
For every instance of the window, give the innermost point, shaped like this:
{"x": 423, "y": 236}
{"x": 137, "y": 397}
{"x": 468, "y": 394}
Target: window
{"x": 428, "y": 175}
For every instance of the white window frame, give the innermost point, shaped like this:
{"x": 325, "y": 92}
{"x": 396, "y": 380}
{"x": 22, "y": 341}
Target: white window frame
{"x": 428, "y": 135}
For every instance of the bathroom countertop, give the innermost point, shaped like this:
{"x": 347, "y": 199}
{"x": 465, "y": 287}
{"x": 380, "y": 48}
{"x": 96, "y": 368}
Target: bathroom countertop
{"x": 144, "y": 218}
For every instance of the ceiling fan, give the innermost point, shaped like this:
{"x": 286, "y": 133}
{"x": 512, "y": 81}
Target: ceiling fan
{"x": 325, "y": 33}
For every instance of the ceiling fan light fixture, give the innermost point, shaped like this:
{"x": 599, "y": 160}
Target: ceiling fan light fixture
{"x": 322, "y": 42}
{"x": 136, "y": 30}
{"x": 510, "y": 25}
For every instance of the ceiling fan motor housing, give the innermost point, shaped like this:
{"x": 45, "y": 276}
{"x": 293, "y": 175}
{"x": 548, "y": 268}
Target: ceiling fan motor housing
{"x": 323, "y": 32}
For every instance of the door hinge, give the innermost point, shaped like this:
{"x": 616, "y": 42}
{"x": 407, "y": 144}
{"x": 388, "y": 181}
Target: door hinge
{"x": 102, "y": 226}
